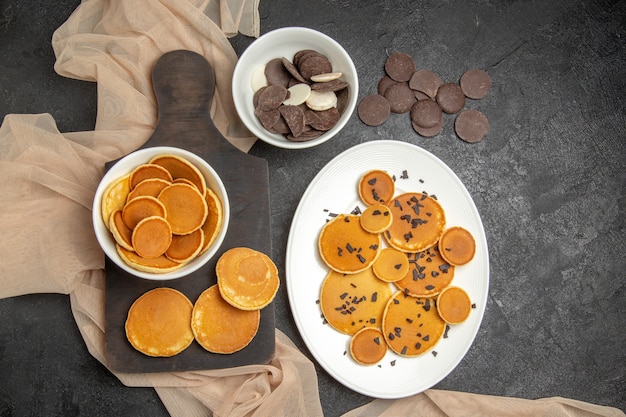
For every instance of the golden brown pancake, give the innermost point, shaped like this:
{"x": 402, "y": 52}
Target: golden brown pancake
{"x": 454, "y": 305}
{"x": 376, "y": 187}
{"x": 185, "y": 208}
{"x": 418, "y": 221}
{"x": 185, "y": 247}
{"x": 148, "y": 171}
{"x": 411, "y": 325}
{"x": 428, "y": 274}
{"x": 345, "y": 246}
{"x": 179, "y": 167}
{"x": 114, "y": 197}
{"x": 214, "y": 219}
{"x": 122, "y": 234}
{"x": 151, "y": 237}
{"x": 139, "y": 208}
{"x": 457, "y": 245}
{"x": 368, "y": 346}
{"x": 391, "y": 265}
{"x": 160, "y": 265}
{"x": 219, "y": 327}
{"x": 159, "y": 323}
{"x": 376, "y": 218}
{"x": 351, "y": 302}
{"x": 148, "y": 187}
{"x": 247, "y": 279}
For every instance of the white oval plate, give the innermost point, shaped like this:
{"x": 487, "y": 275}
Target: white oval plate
{"x": 334, "y": 190}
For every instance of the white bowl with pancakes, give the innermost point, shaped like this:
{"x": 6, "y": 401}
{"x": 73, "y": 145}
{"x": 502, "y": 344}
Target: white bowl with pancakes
{"x": 132, "y": 237}
{"x": 248, "y": 78}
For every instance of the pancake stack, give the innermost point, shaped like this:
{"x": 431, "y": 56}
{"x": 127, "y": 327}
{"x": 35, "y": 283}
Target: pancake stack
{"x": 391, "y": 267}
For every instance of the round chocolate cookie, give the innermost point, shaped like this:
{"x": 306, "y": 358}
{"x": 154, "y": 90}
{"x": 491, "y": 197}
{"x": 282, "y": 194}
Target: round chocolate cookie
{"x": 425, "y": 81}
{"x": 450, "y": 98}
{"x": 471, "y": 126}
{"x": 426, "y": 113}
{"x": 475, "y": 83}
{"x": 400, "y": 66}
{"x": 374, "y": 110}
{"x": 400, "y": 97}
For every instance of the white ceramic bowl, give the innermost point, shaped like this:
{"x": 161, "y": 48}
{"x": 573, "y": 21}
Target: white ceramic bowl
{"x": 125, "y": 166}
{"x": 285, "y": 42}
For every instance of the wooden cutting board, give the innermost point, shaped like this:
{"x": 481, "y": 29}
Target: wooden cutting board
{"x": 184, "y": 83}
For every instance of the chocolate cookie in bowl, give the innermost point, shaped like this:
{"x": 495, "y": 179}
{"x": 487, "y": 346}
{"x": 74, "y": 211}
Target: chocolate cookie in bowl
{"x": 295, "y": 87}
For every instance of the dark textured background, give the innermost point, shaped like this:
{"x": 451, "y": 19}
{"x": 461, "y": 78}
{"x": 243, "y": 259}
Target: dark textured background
{"x": 549, "y": 182}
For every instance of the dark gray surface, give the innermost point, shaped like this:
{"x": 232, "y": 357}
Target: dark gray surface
{"x": 549, "y": 182}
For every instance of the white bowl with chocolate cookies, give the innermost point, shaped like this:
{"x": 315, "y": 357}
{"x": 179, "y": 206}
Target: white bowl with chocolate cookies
{"x": 160, "y": 213}
{"x": 295, "y": 87}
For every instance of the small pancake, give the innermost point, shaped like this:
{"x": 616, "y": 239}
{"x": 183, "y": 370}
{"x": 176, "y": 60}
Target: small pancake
{"x": 148, "y": 187}
{"x": 411, "y": 325}
{"x": 158, "y": 323}
{"x": 122, "y": 234}
{"x": 219, "y": 327}
{"x": 428, "y": 274}
{"x": 151, "y": 237}
{"x": 247, "y": 279}
{"x": 351, "y": 302}
{"x": 160, "y": 265}
{"x": 454, "y": 305}
{"x": 376, "y": 187}
{"x": 139, "y": 208}
{"x": 185, "y": 247}
{"x": 148, "y": 171}
{"x": 376, "y": 218}
{"x": 214, "y": 219}
{"x": 418, "y": 221}
{"x": 185, "y": 207}
{"x": 457, "y": 246}
{"x": 345, "y": 246}
{"x": 391, "y": 265}
{"x": 114, "y": 197}
{"x": 181, "y": 168}
{"x": 368, "y": 346}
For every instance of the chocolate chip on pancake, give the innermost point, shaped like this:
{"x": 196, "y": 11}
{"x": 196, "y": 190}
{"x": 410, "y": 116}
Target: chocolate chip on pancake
{"x": 291, "y": 68}
{"x": 471, "y": 126}
{"x": 400, "y": 66}
{"x": 426, "y": 113}
{"x": 276, "y": 73}
{"x": 400, "y": 97}
{"x": 272, "y": 97}
{"x": 426, "y": 81}
{"x": 475, "y": 83}
{"x": 450, "y": 98}
{"x": 294, "y": 117}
